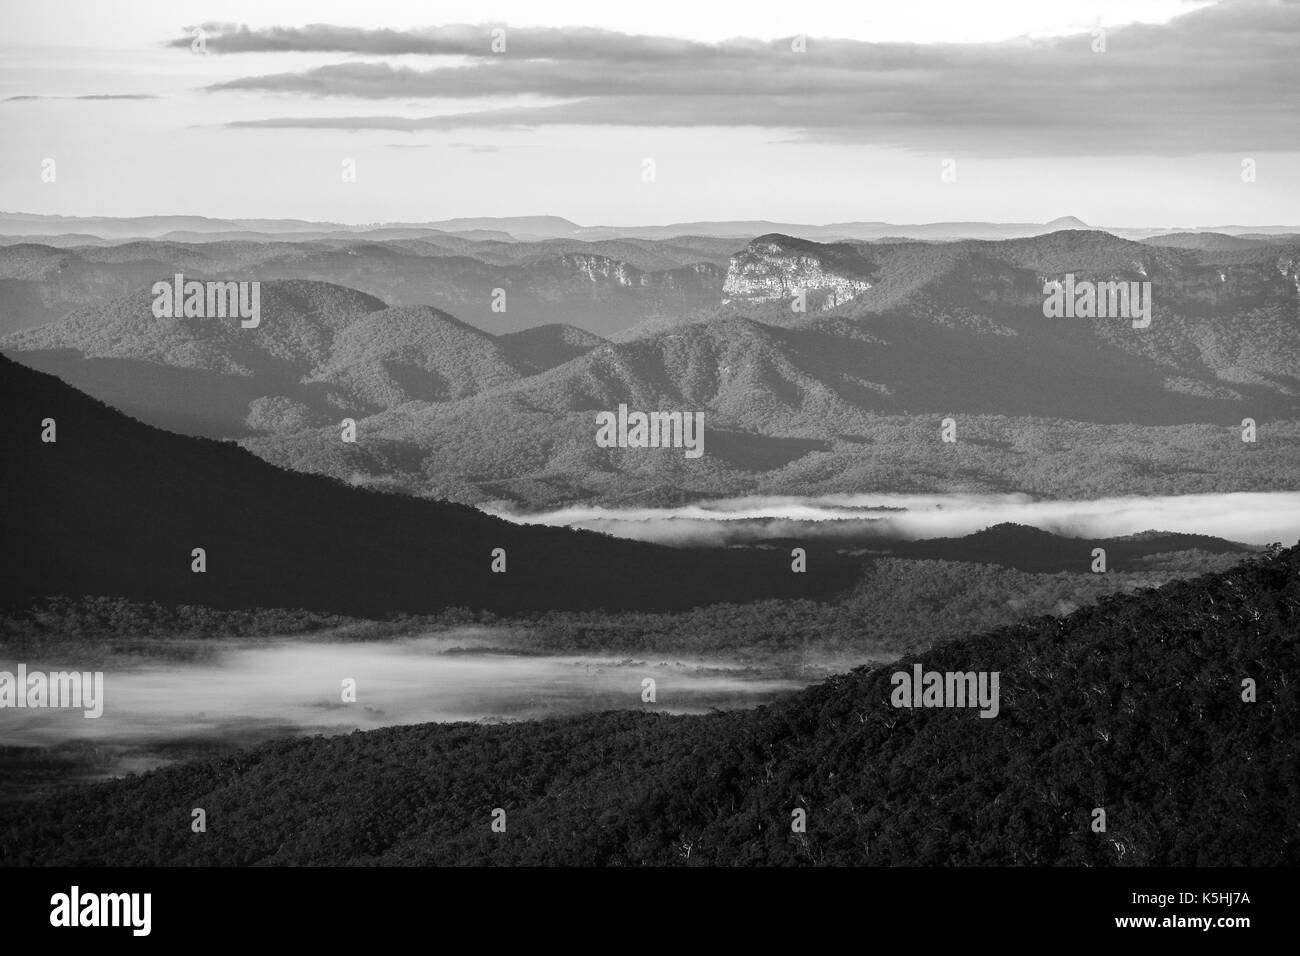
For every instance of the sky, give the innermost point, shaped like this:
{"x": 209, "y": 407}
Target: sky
{"x": 1139, "y": 113}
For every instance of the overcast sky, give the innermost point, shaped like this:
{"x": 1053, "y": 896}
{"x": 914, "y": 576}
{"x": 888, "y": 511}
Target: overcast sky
{"x": 853, "y": 123}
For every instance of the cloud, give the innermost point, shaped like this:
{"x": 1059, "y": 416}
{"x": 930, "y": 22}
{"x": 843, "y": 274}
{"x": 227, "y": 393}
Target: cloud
{"x": 563, "y": 43}
{"x": 1217, "y": 78}
{"x": 472, "y": 147}
{"x": 88, "y": 96}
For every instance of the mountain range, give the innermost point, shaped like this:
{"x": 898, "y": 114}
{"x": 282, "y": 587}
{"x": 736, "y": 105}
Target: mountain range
{"x": 530, "y": 228}
{"x": 818, "y": 366}
{"x": 815, "y": 364}
{"x": 602, "y": 286}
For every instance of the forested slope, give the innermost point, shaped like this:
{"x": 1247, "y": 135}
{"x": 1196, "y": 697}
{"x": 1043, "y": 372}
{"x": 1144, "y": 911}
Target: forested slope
{"x": 1134, "y": 706}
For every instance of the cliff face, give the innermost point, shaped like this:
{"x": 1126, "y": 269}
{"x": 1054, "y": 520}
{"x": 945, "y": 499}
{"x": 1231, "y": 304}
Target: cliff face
{"x": 1289, "y": 268}
{"x": 778, "y": 267}
{"x": 604, "y": 270}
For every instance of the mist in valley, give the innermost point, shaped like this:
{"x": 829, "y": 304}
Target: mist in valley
{"x": 1254, "y": 518}
{"x": 162, "y": 706}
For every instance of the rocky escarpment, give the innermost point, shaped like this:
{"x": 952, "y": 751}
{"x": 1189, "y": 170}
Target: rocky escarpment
{"x": 778, "y": 267}
{"x": 1289, "y": 268}
{"x": 602, "y": 269}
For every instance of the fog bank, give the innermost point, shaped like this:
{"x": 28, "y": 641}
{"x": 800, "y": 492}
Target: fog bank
{"x": 1247, "y": 517}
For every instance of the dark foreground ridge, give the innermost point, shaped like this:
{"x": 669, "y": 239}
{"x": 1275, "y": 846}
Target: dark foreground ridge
{"x": 115, "y": 508}
{"x": 1134, "y": 706}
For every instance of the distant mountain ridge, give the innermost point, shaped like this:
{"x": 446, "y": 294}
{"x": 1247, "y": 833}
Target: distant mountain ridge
{"x": 612, "y": 287}
{"x": 791, "y": 396}
{"x": 498, "y": 286}
{"x": 529, "y": 228}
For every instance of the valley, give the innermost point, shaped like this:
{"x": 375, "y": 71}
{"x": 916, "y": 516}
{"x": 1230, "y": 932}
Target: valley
{"x": 484, "y": 526}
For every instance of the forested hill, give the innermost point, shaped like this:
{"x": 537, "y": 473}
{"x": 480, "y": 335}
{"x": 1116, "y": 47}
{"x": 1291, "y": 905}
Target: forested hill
{"x": 1134, "y": 707}
{"x": 116, "y": 508}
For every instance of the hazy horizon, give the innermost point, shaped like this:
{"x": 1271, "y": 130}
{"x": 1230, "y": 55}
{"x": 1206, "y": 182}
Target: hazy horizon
{"x": 930, "y": 112}
{"x": 359, "y": 224}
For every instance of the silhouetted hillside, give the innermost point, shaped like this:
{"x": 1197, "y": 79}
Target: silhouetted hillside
{"x": 1133, "y": 707}
{"x": 1032, "y": 549}
{"x": 115, "y": 508}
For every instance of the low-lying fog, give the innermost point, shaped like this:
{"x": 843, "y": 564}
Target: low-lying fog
{"x": 241, "y": 692}
{"x": 1247, "y": 517}
{"x": 216, "y": 695}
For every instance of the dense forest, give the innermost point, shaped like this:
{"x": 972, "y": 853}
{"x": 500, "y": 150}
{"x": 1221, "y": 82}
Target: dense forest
{"x": 472, "y": 452}
{"x": 896, "y": 606}
{"x": 1174, "y": 711}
